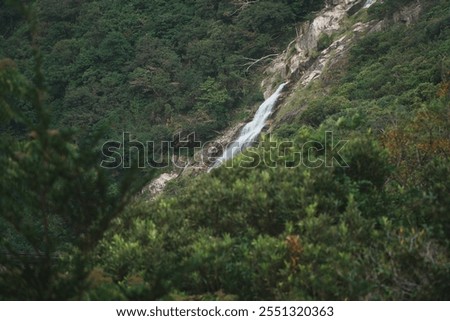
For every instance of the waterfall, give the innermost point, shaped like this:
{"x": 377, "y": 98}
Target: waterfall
{"x": 251, "y": 130}
{"x": 369, "y": 3}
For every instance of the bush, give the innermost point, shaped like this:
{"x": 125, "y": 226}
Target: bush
{"x": 324, "y": 41}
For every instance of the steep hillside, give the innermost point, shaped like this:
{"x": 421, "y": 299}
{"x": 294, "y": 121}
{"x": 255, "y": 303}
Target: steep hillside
{"x": 151, "y": 68}
{"x": 344, "y": 198}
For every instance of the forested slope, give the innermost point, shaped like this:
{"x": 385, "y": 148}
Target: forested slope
{"x": 151, "y": 67}
{"x": 298, "y": 217}
{"x": 273, "y": 227}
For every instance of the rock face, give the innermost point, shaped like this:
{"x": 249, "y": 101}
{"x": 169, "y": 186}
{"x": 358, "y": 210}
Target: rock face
{"x": 408, "y": 14}
{"x": 158, "y": 184}
{"x": 192, "y": 167}
{"x": 323, "y": 43}
{"x": 302, "y": 58}
{"x": 317, "y": 45}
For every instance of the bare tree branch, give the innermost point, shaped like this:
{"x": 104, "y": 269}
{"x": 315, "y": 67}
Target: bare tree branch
{"x": 253, "y": 61}
{"x": 242, "y": 5}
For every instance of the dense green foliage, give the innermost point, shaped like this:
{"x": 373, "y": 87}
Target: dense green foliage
{"x": 56, "y": 202}
{"x": 378, "y": 229}
{"x": 280, "y": 230}
{"x": 151, "y": 68}
{"x": 143, "y": 66}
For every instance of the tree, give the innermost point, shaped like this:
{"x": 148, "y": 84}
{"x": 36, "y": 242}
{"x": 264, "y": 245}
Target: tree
{"x": 56, "y": 202}
{"x": 213, "y": 98}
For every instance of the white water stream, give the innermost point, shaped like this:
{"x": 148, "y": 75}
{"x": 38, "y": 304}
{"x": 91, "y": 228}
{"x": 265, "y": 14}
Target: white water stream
{"x": 251, "y": 130}
{"x": 369, "y": 3}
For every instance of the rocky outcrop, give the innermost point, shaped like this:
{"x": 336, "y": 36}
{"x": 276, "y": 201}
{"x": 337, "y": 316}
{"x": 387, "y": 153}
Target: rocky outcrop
{"x": 406, "y": 15}
{"x": 157, "y": 185}
{"x": 304, "y": 58}
{"x": 317, "y": 43}
{"x": 322, "y": 44}
{"x": 199, "y": 163}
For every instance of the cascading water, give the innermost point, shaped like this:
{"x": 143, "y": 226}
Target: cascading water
{"x": 251, "y": 130}
{"x": 369, "y": 3}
